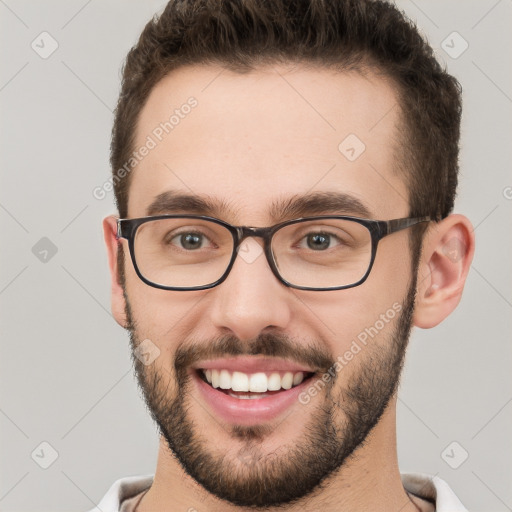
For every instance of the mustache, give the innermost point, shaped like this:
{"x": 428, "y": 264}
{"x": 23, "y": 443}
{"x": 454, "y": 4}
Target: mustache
{"x": 313, "y": 355}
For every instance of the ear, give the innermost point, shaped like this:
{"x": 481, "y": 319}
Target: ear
{"x": 446, "y": 256}
{"x": 117, "y": 298}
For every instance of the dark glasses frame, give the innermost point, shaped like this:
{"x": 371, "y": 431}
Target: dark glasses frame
{"x": 127, "y": 228}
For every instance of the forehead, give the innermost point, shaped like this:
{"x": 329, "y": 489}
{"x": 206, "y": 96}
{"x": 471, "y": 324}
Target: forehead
{"x": 251, "y": 141}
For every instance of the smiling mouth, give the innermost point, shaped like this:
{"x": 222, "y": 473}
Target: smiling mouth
{"x": 252, "y": 385}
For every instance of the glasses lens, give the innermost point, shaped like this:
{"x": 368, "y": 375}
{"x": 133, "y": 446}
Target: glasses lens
{"x": 322, "y": 253}
{"x": 182, "y": 252}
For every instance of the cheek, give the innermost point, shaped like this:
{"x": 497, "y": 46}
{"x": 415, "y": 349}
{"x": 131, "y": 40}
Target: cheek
{"x": 357, "y": 319}
{"x": 162, "y": 316}
{"x": 369, "y": 311}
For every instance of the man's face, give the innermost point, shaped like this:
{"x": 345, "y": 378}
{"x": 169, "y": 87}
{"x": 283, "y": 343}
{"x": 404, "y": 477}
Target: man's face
{"x": 252, "y": 142}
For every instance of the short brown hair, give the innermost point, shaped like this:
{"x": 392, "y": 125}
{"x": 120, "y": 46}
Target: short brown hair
{"x": 346, "y": 34}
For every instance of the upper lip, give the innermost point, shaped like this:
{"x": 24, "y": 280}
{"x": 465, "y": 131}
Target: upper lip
{"x": 252, "y": 364}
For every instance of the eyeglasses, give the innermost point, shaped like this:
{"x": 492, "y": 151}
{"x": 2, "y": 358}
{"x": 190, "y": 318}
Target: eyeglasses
{"x": 193, "y": 252}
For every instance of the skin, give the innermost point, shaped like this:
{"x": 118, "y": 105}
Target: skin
{"x": 254, "y": 138}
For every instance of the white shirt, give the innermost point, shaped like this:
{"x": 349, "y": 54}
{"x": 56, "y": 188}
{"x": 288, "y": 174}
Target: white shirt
{"x": 432, "y": 489}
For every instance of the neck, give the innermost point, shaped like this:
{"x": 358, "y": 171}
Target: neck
{"x": 370, "y": 480}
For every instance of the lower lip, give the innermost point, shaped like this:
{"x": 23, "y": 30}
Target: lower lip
{"x": 248, "y": 411}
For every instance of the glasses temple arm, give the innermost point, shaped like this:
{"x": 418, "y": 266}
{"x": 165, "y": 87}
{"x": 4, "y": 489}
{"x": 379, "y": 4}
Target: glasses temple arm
{"x": 391, "y": 226}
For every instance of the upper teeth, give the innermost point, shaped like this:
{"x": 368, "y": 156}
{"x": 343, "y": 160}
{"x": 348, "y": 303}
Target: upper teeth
{"x": 257, "y": 382}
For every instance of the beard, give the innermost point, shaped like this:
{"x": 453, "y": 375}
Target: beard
{"x": 338, "y": 424}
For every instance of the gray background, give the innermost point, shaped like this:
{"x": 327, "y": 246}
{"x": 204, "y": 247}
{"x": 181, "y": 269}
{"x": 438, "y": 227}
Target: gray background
{"x": 65, "y": 371}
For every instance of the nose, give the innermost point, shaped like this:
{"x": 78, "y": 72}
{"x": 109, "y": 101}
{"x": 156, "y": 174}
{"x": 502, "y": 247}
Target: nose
{"x": 251, "y": 299}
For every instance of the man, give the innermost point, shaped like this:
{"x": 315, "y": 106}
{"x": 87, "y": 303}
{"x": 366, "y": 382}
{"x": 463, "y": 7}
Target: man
{"x": 261, "y": 152}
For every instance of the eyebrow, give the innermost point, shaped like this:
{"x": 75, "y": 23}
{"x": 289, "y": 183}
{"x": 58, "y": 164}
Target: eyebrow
{"x": 316, "y": 203}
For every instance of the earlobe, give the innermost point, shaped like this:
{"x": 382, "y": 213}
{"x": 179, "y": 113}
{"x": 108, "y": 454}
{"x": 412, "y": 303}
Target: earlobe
{"x": 448, "y": 249}
{"x": 118, "y": 302}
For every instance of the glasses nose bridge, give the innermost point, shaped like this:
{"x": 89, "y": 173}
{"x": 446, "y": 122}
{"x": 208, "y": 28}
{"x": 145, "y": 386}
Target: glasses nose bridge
{"x": 244, "y": 232}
